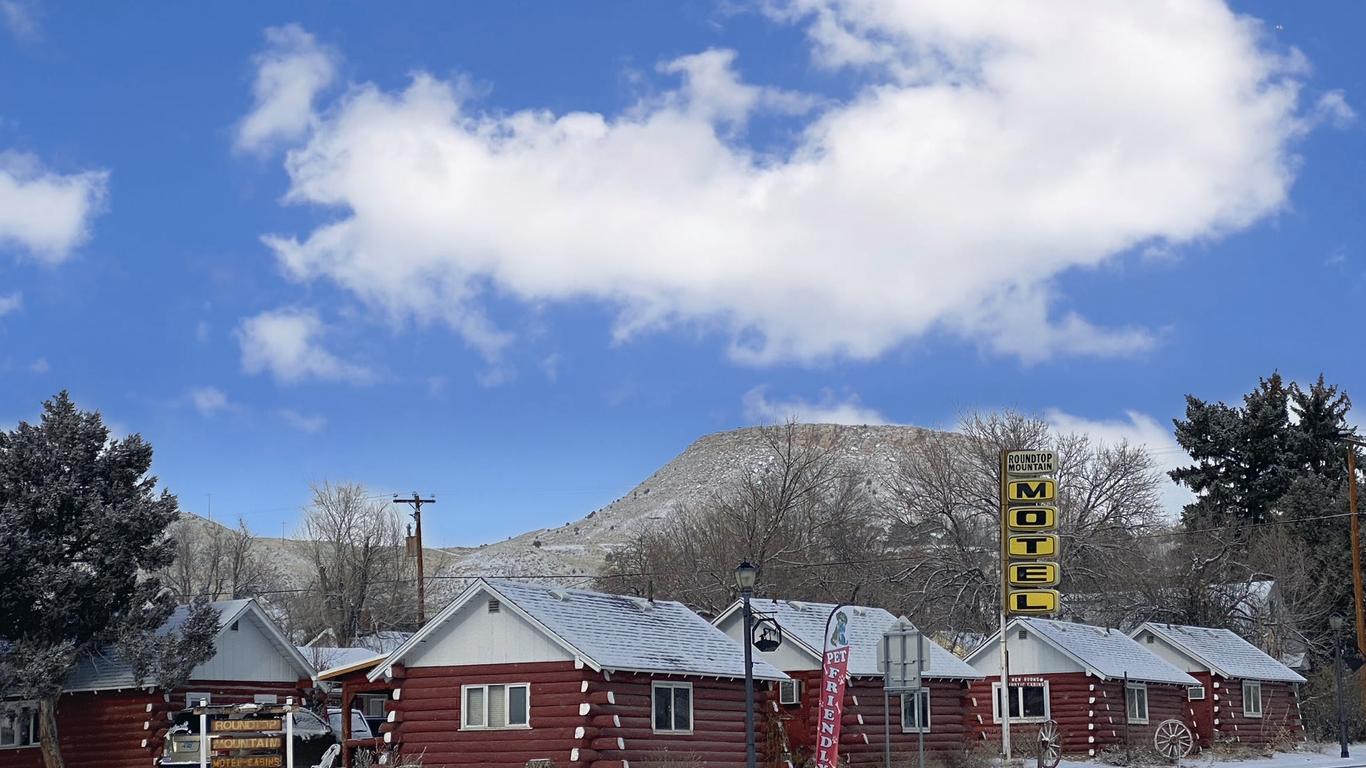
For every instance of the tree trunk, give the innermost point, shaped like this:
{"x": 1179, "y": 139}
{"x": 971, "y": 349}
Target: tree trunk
{"x": 47, "y": 732}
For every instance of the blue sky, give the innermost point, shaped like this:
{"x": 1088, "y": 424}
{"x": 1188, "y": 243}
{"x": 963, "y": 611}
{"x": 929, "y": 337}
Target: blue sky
{"x": 518, "y": 255}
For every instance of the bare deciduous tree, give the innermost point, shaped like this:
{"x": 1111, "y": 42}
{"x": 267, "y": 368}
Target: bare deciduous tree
{"x": 797, "y": 515}
{"x": 217, "y": 563}
{"x": 361, "y": 578}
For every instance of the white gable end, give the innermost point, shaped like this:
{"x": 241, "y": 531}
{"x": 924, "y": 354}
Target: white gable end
{"x": 247, "y": 653}
{"x": 1164, "y": 650}
{"x": 473, "y": 635}
{"x": 1030, "y": 656}
{"x": 789, "y": 657}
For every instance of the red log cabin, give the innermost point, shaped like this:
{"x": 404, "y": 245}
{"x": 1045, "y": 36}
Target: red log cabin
{"x": 1096, "y": 683}
{"x": 942, "y": 710}
{"x": 105, "y": 719}
{"x": 1244, "y": 695}
{"x": 512, "y": 672}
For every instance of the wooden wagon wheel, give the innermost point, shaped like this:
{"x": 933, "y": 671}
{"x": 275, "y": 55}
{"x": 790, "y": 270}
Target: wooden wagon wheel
{"x": 1173, "y": 739}
{"x": 1050, "y": 744}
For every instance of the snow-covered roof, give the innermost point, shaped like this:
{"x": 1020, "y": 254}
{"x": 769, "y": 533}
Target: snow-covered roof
{"x": 804, "y": 623}
{"x": 106, "y": 670}
{"x": 1223, "y": 651}
{"x": 332, "y": 662}
{"x": 610, "y": 632}
{"x": 1103, "y": 651}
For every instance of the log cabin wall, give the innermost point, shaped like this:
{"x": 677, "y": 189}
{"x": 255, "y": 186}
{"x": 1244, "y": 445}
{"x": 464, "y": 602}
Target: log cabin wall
{"x": 622, "y": 707}
{"x": 1110, "y": 730}
{"x": 425, "y": 715}
{"x": 96, "y": 730}
{"x": 1201, "y": 711}
{"x": 1280, "y": 720}
{"x": 1089, "y": 711}
{"x": 862, "y": 735}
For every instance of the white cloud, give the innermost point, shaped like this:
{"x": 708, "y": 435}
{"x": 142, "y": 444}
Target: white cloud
{"x": 45, "y": 213}
{"x": 39, "y": 366}
{"x": 11, "y": 302}
{"x": 18, "y": 19}
{"x": 209, "y": 400}
{"x": 285, "y": 343}
{"x": 829, "y": 409}
{"x": 1137, "y": 429}
{"x": 1332, "y": 108}
{"x": 990, "y": 149}
{"x": 303, "y": 422}
{"x": 289, "y": 75}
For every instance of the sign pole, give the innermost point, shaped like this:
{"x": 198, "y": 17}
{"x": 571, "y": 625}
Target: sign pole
{"x": 289, "y": 732}
{"x": 1004, "y": 703}
{"x": 203, "y": 734}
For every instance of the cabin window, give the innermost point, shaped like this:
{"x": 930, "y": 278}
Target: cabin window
{"x": 789, "y": 692}
{"x": 1028, "y": 702}
{"x": 915, "y": 711}
{"x": 1136, "y": 703}
{"x": 18, "y": 724}
{"x": 265, "y": 698}
{"x": 373, "y": 706}
{"x": 672, "y": 707}
{"x": 496, "y": 706}
{"x": 1196, "y": 693}
{"x": 1252, "y": 698}
{"x": 193, "y": 699}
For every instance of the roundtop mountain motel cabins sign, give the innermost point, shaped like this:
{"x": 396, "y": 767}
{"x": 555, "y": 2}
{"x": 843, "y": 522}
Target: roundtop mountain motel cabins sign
{"x": 1029, "y": 546}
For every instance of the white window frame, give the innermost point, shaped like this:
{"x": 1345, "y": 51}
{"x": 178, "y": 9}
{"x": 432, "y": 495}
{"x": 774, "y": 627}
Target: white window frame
{"x": 8, "y": 707}
{"x": 924, "y": 695}
{"x": 670, "y": 686}
{"x": 464, "y": 710}
{"x": 192, "y": 698}
{"x": 1191, "y": 693}
{"x": 1131, "y": 716}
{"x": 1252, "y": 685}
{"x": 996, "y": 702}
{"x": 265, "y": 698}
{"x": 784, "y": 686}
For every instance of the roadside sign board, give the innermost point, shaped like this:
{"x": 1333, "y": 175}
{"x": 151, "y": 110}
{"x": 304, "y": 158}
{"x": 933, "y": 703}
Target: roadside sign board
{"x": 1032, "y": 518}
{"x": 1032, "y": 545}
{"x": 249, "y": 761}
{"x": 1032, "y": 490}
{"x": 1024, "y": 463}
{"x": 1033, "y": 575}
{"x": 250, "y": 726}
{"x": 1034, "y": 602}
{"x": 1029, "y": 521}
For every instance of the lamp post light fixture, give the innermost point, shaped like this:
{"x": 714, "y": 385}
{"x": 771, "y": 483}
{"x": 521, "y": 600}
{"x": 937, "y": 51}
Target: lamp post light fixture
{"x": 745, "y": 576}
{"x": 1336, "y": 623}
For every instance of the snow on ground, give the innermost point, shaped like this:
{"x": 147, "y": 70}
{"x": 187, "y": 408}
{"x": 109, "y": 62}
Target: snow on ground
{"x": 1310, "y": 756}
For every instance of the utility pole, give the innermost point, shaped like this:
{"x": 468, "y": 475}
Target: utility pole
{"x": 1356, "y": 547}
{"x": 416, "y": 503}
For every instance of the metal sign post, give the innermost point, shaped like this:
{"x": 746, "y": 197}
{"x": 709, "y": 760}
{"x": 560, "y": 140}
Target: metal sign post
{"x": 903, "y": 658}
{"x": 203, "y": 734}
{"x": 289, "y": 732}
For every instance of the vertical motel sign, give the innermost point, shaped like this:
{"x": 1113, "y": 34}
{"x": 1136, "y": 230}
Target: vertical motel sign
{"x": 1029, "y": 538}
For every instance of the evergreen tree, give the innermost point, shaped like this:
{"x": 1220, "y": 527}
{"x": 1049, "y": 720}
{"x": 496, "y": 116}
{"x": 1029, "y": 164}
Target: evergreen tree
{"x": 1243, "y": 457}
{"x": 80, "y": 524}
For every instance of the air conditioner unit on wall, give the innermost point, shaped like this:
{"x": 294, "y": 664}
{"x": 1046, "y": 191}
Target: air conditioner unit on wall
{"x": 789, "y": 692}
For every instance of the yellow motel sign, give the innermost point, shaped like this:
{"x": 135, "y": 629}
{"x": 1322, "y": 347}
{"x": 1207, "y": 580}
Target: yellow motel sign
{"x": 1032, "y": 518}
{"x": 1032, "y": 545}
{"x": 1033, "y": 490}
{"x": 1029, "y": 521}
{"x": 1034, "y": 602}
{"x": 1033, "y": 575}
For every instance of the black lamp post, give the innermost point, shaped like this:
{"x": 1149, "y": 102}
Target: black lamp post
{"x": 745, "y": 576}
{"x": 1336, "y": 622}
